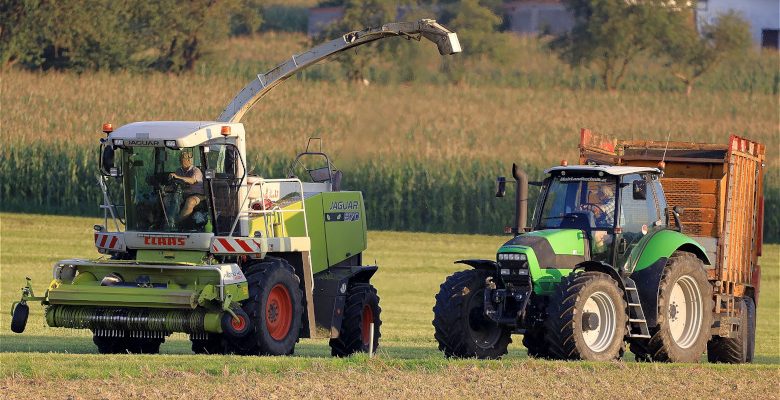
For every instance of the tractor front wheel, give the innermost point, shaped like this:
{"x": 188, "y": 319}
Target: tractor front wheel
{"x": 361, "y": 309}
{"x": 586, "y": 318}
{"x": 461, "y": 327}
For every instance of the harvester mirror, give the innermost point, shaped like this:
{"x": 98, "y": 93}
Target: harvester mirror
{"x": 107, "y": 160}
{"x": 639, "y": 190}
{"x": 500, "y": 186}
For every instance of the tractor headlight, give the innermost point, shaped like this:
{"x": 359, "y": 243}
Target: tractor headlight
{"x": 64, "y": 272}
{"x": 512, "y": 257}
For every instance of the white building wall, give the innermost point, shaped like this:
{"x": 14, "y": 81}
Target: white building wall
{"x": 762, "y": 14}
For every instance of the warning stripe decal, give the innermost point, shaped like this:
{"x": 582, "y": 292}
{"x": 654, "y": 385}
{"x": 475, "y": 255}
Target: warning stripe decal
{"x": 110, "y": 241}
{"x": 222, "y": 245}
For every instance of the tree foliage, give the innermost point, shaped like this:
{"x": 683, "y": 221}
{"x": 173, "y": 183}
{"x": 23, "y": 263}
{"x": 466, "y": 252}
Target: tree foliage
{"x": 692, "y": 54}
{"x": 104, "y": 34}
{"x": 610, "y": 34}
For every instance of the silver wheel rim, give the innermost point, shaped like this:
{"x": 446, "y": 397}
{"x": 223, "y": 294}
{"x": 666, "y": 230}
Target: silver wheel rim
{"x": 685, "y": 312}
{"x": 599, "y": 339}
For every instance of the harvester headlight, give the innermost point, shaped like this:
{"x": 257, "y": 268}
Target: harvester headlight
{"x": 119, "y": 142}
{"x": 171, "y": 144}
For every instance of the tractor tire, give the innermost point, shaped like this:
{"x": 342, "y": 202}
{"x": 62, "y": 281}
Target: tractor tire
{"x": 461, "y": 327}
{"x": 682, "y": 333}
{"x": 533, "y": 340}
{"x": 275, "y": 309}
{"x": 360, "y": 310}
{"x": 586, "y": 318}
{"x": 19, "y": 317}
{"x": 212, "y": 344}
{"x": 734, "y": 350}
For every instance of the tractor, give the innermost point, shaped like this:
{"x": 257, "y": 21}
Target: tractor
{"x": 193, "y": 243}
{"x": 612, "y": 257}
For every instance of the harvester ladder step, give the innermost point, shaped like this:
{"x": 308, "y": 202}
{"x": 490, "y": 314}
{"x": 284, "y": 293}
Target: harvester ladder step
{"x": 636, "y": 317}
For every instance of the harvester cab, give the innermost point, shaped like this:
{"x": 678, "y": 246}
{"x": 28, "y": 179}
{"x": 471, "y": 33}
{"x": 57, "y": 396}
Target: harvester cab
{"x": 609, "y": 259}
{"x": 194, "y": 243}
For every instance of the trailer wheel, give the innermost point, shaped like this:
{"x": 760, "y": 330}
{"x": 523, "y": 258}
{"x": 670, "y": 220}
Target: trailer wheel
{"x": 461, "y": 327}
{"x": 212, "y": 344}
{"x": 734, "y": 350}
{"x": 19, "y": 317}
{"x": 751, "y": 312}
{"x": 586, "y": 318}
{"x": 275, "y": 308}
{"x": 360, "y": 310}
{"x": 684, "y": 313}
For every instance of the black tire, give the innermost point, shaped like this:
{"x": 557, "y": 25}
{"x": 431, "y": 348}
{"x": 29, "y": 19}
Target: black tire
{"x": 733, "y": 350}
{"x": 662, "y": 345}
{"x": 276, "y": 281}
{"x": 212, "y": 344}
{"x": 461, "y": 327}
{"x": 361, "y": 308}
{"x": 570, "y": 336}
{"x": 751, "y": 312}
{"x": 19, "y": 317}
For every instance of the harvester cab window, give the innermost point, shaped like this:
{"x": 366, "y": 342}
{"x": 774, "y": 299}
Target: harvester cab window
{"x": 225, "y": 167}
{"x": 165, "y": 192}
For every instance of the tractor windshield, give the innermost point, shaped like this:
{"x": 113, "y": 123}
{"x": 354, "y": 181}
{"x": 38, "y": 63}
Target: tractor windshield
{"x": 164, "y": 190}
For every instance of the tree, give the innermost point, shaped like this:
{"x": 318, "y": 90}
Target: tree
{"x": 692, "y": 54}
{"x": 610, "y": 34}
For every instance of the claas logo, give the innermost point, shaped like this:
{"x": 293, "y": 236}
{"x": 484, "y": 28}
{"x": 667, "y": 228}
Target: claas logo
{"x": 164, "y": 241}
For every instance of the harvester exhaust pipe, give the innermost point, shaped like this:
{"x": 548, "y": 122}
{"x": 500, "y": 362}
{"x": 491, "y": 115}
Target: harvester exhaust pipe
{"x": 521, "y": 198}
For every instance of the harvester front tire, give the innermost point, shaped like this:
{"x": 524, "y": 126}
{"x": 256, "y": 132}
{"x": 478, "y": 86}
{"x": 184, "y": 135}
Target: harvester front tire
{"x": 734, "y": 350}
{"x": 461, "y": 327}
{"x": 679, "y": 337}
{"x": 361, "y": 308}
{"x": 19, "y": 317}
{"x": 275, "y": 309}
{"x": 586, "y": 318}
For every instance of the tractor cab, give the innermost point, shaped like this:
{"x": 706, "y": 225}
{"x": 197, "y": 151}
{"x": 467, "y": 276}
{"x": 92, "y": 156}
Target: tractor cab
{"x": 614, "y": 207}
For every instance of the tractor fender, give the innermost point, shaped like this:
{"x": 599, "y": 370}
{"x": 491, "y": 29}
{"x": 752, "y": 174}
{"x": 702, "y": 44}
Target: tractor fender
{"x": 662, "y": 244}
{"x": 601, "y": 267}
{"x": 330, "y": 289}
{"x": 485, "y": 265}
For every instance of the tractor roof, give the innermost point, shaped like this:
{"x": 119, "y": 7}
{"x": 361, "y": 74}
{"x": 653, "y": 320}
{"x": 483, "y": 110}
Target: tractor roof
{"x": 608, "y": 169}
{"x": 185, "y": 133}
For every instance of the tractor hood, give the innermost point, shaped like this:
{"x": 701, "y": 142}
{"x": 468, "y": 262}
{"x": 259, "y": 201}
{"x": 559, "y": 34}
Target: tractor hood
{"x": 553, "y": 248}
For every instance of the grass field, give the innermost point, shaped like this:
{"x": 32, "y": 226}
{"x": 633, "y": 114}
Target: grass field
{"x": 57, "y": 363}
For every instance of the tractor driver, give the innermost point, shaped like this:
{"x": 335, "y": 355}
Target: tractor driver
{"x": 193, "y": 189}
{"x": 604, "y": 206}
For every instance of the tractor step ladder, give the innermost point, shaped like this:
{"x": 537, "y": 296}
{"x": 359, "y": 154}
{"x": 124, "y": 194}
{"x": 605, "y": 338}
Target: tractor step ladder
{"x": 636, "y": 317}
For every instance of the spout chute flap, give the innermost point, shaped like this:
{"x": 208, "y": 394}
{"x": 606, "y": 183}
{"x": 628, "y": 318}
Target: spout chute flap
{"x": 445, "y": 40}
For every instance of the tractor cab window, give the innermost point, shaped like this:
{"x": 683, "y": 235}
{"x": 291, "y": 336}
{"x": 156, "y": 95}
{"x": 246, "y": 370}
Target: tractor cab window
{"x": 164, "y": 190}
{"x": 585, "y": 202}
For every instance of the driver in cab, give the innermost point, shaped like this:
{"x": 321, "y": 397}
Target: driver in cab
{"x": 604, "y": 206}
{"x": 192, "y": 191}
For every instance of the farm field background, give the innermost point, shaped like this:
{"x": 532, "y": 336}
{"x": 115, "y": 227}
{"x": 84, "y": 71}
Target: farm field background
{"x": 49, "y": 362}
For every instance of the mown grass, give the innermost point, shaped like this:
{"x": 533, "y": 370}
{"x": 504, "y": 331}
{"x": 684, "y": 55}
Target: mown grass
{"x": 412, "y": 265}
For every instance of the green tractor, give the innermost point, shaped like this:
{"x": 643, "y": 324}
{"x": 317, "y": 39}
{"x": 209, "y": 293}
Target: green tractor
{"x": 607, "y": 260}
{"x": 194, "y": 243}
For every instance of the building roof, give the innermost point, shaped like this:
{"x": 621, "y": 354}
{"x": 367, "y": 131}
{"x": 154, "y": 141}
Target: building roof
{"x": 607, "y": 169}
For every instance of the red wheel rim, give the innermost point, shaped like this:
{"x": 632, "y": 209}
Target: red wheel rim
{"x": 239, "y": 323}
{"x": 366, "y": 320}
{"x": 278, "y": 312}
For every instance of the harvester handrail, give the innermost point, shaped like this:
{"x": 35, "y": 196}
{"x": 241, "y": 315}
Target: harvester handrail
{"x": 275, "y": 209}
{"x": 446, "y": 41}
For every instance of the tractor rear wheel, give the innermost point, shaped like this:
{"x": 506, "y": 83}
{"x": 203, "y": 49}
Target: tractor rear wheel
{"x": 275, "y": 309}
{"x": 734, "y": 350}
{"x": 586, "y": 318}
{"x": 684, "y": 313}
{"x": 461, "y": 327}
{"x": 361, "y": 309}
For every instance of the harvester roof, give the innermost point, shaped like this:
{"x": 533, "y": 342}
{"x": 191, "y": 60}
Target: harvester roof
{"x": 607, "y": 169}
{"x": 185, "y": 133}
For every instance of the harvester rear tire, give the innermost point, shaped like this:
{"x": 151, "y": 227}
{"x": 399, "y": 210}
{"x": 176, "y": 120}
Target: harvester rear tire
{"x": 733, "y": 350}
{"x": 578, "y": 295}
{"x": 461, "y": 327}
{"x": 361, "y": 308}
{"x": 211, "y": 345}
{"x": 275, "y": 309}
{"x": 686, "y": 272}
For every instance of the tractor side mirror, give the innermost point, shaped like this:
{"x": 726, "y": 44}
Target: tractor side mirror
{"x": 107, "y": 158}
{"x": 639, "y": 190}
{"x": 500, "y": 186}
